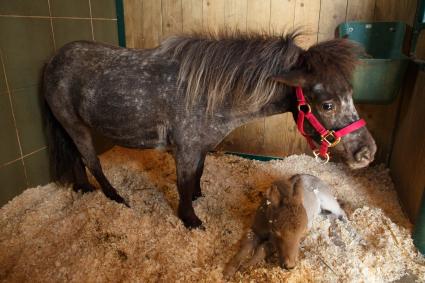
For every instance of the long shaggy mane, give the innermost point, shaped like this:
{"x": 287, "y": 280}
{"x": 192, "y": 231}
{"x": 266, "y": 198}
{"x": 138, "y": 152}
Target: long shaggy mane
{"x": 332, "y": 61}
{"x": 235, "y": 67}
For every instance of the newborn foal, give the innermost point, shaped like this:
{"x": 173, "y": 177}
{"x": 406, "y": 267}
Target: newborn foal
{"x": 284, "y": 217}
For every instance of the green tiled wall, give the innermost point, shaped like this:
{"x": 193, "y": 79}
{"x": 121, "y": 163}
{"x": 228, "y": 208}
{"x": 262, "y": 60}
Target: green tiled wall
{"x": 30, "y": 32}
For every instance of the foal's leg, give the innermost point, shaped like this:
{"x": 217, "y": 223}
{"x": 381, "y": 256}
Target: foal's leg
{"x": 187, "y": 166}
{"x": 199, "y": 169}
{"x": 247, "y": 249}
{"x": 260, "y": 253}
{"x": 82, "y": 138}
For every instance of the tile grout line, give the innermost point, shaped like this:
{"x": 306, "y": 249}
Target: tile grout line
{"x": 51, "y": 25}
{"x": 13, "y": 117}
{"x": 52, "y": 17}
{"x": 23, "y": 156}
{"x": 91, "y": 21}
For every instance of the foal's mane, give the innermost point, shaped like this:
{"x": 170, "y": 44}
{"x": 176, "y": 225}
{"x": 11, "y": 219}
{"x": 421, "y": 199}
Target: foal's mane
{"x": 235, "y": 67}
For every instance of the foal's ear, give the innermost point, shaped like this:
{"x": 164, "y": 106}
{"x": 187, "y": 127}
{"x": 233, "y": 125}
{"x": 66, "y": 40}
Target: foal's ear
{"x": 273, "y": 195}
{"x": 292, "y": 78}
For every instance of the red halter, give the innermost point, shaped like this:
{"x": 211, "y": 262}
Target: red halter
{"x": 329, "y": 138}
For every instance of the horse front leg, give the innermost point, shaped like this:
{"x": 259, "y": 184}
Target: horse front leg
{"x": 197, "y": 193}
{"x": 189, "y": 165}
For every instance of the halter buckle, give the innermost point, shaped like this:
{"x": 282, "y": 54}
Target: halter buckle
{"x": 319, "y": 158}
{"x": 304, "y": 110}
{"x": 330, "y": 138}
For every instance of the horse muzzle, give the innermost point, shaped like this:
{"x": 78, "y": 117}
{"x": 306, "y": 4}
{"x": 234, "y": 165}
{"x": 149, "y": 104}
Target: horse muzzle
{"x": 364, "y": 155}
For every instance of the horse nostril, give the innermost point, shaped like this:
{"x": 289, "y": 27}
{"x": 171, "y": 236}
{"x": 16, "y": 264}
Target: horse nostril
{"x": 363, "y": 154}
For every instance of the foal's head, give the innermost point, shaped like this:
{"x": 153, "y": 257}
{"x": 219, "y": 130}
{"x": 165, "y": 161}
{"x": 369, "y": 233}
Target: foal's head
{"x": 324, "y": 72}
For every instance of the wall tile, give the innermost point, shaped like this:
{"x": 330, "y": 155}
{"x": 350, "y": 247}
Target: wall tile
{"x": 9, "y": 149}
{"x": 37, "y": 167}
{"x": 26, "y": 45}
{"x": 3, "y": 87}
{"x": 106, "y": 31}
{"x": 67, "y": 30}
{"x": 103, "y": 9}
{"x": 12, "y": 181}
{"x": 70, "y": 8}
{"x": 24, "y": 7}
{"x": 27, "y": 107}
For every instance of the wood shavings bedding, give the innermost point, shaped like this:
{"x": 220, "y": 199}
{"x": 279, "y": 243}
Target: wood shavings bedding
{"x": 52, "y": 234}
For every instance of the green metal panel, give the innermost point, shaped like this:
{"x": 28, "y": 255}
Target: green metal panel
{"x": 120, "y": 22}
{"x": 254, "y": 157}
{"x": 380, "y": 74}
{"x": 378, "y": 80}
{"x": 381, "y": 40}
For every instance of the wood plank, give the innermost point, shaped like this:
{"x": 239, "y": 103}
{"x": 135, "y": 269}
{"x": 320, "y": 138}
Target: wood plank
{"x": 213, "y": 15}
{"x": 258, "y": 19}
{"x": 152, "y": 23}
{"x": 282, "y": 14}
{"x": 235, "y": 13}
{"x": 280, "y": 134}
{"x": 258, "y": 15}
{"x": 360, "y": 10}
{"x": 408, "y": 157}
{"x": 395, "y": 10}
{"x": 133, "y": 23}
{"x": 172, "y": 22}
{"x": 192, "y": 15}
{"x": 307, "y": 13}
{"x": 332, "y": 13}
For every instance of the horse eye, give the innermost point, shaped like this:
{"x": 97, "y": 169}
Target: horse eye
{"x": 327, "y": 106}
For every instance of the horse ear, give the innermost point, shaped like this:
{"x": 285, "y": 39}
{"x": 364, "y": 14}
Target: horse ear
{"x": 292, "y": 78}
{"x": 273, "y": 195}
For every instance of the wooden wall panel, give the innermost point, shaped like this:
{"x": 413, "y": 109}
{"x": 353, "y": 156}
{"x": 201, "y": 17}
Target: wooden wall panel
{"x": 258, "y": 19}
{"x": 408, "y": 157}
{"x": 235, "y": 14}
{"x": 360, "y": 10}
{"x": 281, "y": 136}
{"x": 148, "y": 21}
{"x": 134, "y": 23}
{"x": 152, "y": 23}
{"x": 213, "y": 14}
{"x": 332, "y": 13}
{"x": 307, "y": 14}
{"x": 282, "y": 14}
{"x": 172, "y": 22}
{"x": 191, "y": 15}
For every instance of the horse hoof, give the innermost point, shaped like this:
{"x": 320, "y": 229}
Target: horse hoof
{"x": 196, "y": 195}
{"x": 119, "y": 199}
{"x": 193, "y": 223}
{"x": 84, "y": 188}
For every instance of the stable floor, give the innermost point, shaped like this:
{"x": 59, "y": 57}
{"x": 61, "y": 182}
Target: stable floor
{"x": 51, "y": 234}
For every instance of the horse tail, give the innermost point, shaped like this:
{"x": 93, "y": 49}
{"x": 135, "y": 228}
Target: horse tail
{"x": 63, "y": 154}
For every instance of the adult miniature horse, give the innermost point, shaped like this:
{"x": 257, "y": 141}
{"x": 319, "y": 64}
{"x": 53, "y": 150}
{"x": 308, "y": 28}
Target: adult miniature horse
{"x": 186, "y": 95}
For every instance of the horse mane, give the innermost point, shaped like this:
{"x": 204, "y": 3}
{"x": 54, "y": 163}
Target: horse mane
{"x": 234, "y": 67}
{"x": 332, "y": 61}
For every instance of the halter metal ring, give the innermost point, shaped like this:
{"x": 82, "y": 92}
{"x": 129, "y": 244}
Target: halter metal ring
{"x": 334, "y": 140}
{"x": 308, "y": 108}
{"x": 319, "y": 158}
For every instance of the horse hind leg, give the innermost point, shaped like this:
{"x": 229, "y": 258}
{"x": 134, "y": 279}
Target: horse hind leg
{"x": 81, "y": 181}
{"x": 82, "y": 138}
